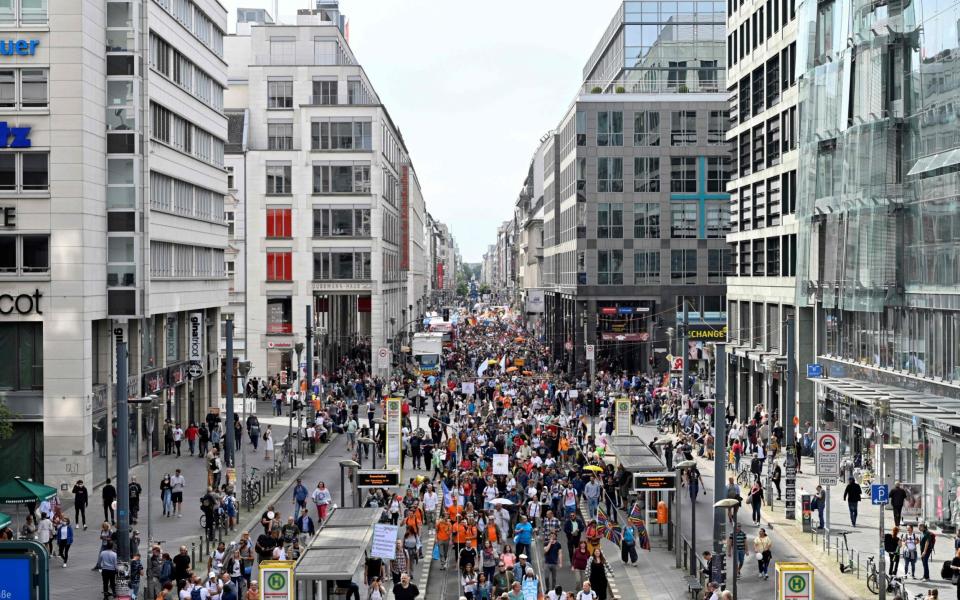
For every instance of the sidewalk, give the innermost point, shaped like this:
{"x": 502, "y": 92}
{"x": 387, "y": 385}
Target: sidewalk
{"x": 78, "y": 581}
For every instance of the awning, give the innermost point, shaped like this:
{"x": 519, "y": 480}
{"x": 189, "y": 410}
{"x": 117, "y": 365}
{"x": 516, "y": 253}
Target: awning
{"x": 904, "y": 402}
{"x": 353, "y": 517}
{"x": 343, "y": 537}
{"x": 936, "y": 161}
{"x": 327, "y": 564}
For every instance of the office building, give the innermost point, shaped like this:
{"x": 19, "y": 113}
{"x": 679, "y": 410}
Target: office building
{"x": 112, "y": 194}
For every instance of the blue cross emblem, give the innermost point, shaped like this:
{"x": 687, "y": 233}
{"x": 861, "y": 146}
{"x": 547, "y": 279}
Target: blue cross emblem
{"x": 701, "y": 197}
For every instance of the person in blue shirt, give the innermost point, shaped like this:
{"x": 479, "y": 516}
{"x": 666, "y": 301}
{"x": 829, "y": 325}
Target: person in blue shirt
{"x": 136, "y": 572}
{"x": 628, "y": 546}
{"x": 305, "y": 523}
{"x": 64, "y": 540}
{"x": 523, "y": 535}
{"x": 300, "y": 494}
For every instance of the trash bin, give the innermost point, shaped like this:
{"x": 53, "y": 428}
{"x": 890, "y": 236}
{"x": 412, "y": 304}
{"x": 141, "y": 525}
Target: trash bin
{"x": 806, "y": 517}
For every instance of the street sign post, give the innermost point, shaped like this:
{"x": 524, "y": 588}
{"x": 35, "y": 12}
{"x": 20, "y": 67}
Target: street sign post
{"x": 814, "y": 371}
{"x": 383, "y": 358}
{"x": 676, "y": 364}
{"x": 277, "y": 580}
{"x": 879, "y": 494}
{"x": 828, "y": 481}
{"x": 828, "y": 454}
{"x": 794, "y": 581}
{"x": 591, "y": 351}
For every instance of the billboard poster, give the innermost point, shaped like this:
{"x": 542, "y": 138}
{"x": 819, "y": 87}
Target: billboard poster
{"x": 535, "y": 301}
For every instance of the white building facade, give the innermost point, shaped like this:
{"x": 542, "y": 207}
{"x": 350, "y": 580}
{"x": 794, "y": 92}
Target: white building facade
{"x": 331, "y": 198}
{"x": 111, "y": 187}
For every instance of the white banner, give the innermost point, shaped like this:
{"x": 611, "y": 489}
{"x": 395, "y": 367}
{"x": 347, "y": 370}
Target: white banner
{"x": 195, "y": 347}
{"x": 501, "y": 464}
{"x": 535, "y": 301}
{"x": 468, "y": 388}
{"x": 384, "y": 541}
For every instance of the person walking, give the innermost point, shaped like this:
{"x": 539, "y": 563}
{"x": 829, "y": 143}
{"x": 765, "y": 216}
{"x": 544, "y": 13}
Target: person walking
{"x": 756, "y": 501}
{"x": 891, "y": 545}
{"x": 553, "y": 559}
{"x": 321, "y": 499}
{"x": 108, "y": 570}
{"x": 108, "y": 494}
{"x": 763, "y": 546}
{"x": 81, "y": 498}
{"x": 64, "y": 540}
{"x": 910, "y": 548}
{"x": 853, "y": 495}
{"x": 597, "y": 574}
{"x": 177, "y": 484}
{"x": 178, "y": 440}
{"x": 134, "y": 490}
{"x": 45, "y": 532}
{"x": 268, "y": 443}
{"x": 927, "y": 541}
{"x": 776, "y": 478}
{"x": 898, "y": 496}
{"x": 300, "y": 494}
{"x": 820, "y": 496}
{"x": 628, "y": 545}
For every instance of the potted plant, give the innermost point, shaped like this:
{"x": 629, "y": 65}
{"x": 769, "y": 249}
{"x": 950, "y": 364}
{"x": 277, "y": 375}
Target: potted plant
{"x": 620, "y": 89}
{"x": 596, "y": 89}
{"x": 683, "y": 89}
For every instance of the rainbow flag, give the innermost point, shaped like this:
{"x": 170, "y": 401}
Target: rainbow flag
{"x": 636, "y": 519}
{"x": 636, "y": 515}
{"x": 614, "y": 534}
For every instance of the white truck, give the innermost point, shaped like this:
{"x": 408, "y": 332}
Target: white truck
{"x": 427, "y": 349}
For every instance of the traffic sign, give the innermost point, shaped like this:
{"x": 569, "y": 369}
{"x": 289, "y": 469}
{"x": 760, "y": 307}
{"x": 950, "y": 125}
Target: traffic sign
{"x": 794, "y": 581}
{"x": 383, "y": 358}
{"x": 814, "y": 371}
{"x": 591, "y": 351}
{"x": 195, "y": 370}
{"x": 676, "y": 364}
{"x": 879, "y": 493}
{"x": 825, "y": 481}
{"x": 828, "y": 453}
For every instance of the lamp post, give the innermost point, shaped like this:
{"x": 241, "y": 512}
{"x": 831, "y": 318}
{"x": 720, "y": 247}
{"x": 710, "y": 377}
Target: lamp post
{"x": 347, "y": 464}
{"x": 139, "y": 402}
{"x": 298, "y": 347}
{"x": 243, "y": 367}
{"x": 883, "y": 408}
{"x": 727, "y": 504}
{"x": 685, "y": 466}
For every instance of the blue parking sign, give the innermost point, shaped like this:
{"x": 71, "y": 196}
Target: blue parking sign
{"x": 814, "y": 370}
{"x": 879, "y": 493}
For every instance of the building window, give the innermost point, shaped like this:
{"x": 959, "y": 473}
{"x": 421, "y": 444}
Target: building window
{"x": 610, "y": 267}
{"x": 683, "y": 128}
{"x": 718, "y": 265}
{"x": 341, "y": 222}
{"x": 283, "y": 50}
{"x": 718, "y": 173}
{"x": 759, "y": 265}
{"x": 581, "y": 125}
{"x": 646, "y": 174}
{"x": 717, "y": 219}
{"x": 646, "y": 128}
{"x": 279, "y": 94}
{"x": 717, "y": 127}
{"x": 24, "y": 254}
{"x": 23, "y": 88}
{"x": 683, "y": 266}
{"x": 646, "y": 220}
{"x": 325, "y": 92}
{"x": 773, "y": 257}
{"x": 610, "y": 128}
{"x": 683, "y": 220}
{"x": 22, "y": 348}
{"x": 341, "y": 135}
{"x": 279, "y": 266}
{"x": 326, "y": 52}
{"x": 279, "y": 222}
{"x": 24, "y": 171}
{"x": 357, "y": 93}
{"x": 609, "y": 174}
{"x": 341, "y": 264}
{"x": 230, "y": 218}
{"x": 279, "y": 178}
{"x": 646, "y": 267}
{"x": 13, "y": 12}
{"x": 683, "y": 174}
{"x": 341, "y": 179}
{"x": 280, "y": 136}
{"x": 609, "y": 220}
{"x": 280, "y": 315}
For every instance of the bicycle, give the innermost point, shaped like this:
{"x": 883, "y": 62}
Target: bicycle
{"x": 250, "y": 491}
{"x": 873, "y": 581}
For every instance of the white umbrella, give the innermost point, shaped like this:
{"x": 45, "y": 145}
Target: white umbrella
{"x": 502, "y": 501}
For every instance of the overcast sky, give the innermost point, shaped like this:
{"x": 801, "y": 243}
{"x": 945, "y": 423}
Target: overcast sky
{"x": 472, "y": 86}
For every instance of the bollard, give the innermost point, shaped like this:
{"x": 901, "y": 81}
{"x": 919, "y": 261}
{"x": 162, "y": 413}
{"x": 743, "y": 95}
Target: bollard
{"x": 193, "y": 553}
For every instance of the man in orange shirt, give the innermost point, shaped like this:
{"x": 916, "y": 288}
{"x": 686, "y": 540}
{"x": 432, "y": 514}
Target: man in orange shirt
{"x": 443, "y": 539}
{"x": 459, "y": 535}
{"x": 470, "y": 533}
{"x": 490, "y": 532}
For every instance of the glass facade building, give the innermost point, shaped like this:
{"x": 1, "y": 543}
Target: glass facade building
{"x": 879, "y": 242}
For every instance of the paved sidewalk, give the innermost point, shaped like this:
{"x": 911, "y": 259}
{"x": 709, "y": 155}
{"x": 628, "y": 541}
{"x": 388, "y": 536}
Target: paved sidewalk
{"x": 78, "y": 581}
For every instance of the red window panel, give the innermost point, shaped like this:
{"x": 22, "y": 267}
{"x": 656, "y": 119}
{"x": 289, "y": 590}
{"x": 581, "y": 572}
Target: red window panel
{"x": 364, "y": 304}
{"x": 279, "y": 266}
{"x": 279, "y": 222}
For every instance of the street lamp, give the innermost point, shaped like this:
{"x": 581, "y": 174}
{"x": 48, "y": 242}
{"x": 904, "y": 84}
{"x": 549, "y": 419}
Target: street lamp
{"x": 298, "y": 347}
{"x": 347, "y": 464}
{"x": 151, "y": 423}
{"x": 685, "y": 466}
{"x": 883, "y": 409}
{"x": 729, "y": 503}
{"x": 243, "y": 367}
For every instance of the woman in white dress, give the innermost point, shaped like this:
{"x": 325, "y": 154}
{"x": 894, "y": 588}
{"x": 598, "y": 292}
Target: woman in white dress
{"x": 268, "y": 444}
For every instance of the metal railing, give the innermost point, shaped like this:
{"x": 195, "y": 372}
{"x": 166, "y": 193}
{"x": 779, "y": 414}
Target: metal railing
{"x": 659, "y": 85}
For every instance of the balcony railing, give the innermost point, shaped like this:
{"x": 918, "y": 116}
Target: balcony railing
{"x": 687, "y": 83}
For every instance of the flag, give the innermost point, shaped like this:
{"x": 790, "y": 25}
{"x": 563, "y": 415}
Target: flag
{"x": 503, "y": 363}
{"x": 614, "y": 534}
{"x": 603, "y": 522}
{"x": 636, "y": 515}
{"x": 643, "y": 539}
{"x": 483, "y": 368}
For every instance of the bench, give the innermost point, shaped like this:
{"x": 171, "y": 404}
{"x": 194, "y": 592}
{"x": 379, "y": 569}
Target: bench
{"x": 694, "y": 587}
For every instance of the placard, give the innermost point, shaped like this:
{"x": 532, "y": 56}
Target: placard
{"x": 468, "y": 387}
{"x": 384, "y": 541}
{"x": 501, "y": 464}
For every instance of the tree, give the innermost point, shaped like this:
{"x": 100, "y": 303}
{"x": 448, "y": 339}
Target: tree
{"x": 462, "y": 289}
{"x": 6, "y": 426}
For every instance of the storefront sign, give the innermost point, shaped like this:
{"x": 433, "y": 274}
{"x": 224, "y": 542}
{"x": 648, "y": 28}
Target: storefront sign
{"x": 173, "y": 338}
{"x": 195, "y": 349}
{"x": 707, "y": 333}
{"x": 18, "y": 47}
{"x": 14, "y": 137}
{"x": 609, "y": 336}
{"x": 24, "y": 304}
{"x": 177, "y": 374}
{"x": 535, "y": 301}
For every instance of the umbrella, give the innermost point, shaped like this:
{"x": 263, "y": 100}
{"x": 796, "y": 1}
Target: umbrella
{"x": 519, "y": 340}
{"x": 4, "y": 520}
{"x": 511, "y": 369}
{"x": 593, "y": 468}
{"x": 23, "y": 491}
{"x": 528, "y": 373}
{"x": 502, "y": 501}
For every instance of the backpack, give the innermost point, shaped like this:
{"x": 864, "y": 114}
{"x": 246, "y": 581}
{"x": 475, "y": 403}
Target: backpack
{"x": 265, "y": 436}
{"x": 195, "y": 593}
{"x": 946, "y": 572}
{"x": 206, "y": 503}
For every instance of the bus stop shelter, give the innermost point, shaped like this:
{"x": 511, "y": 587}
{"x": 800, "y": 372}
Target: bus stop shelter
{"x": 639, "y": 460}
{"x": 336, "y": 552}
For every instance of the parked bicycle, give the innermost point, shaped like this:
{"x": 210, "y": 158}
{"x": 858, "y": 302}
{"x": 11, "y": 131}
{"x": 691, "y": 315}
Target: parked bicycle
{"x": 873, "y": 577}
{"x": 250, "y": 492}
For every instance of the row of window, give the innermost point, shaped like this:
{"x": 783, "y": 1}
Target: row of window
{"x": 647, "y": 267}
{"x": 183, "y": 261}
{"x": 334, "y": 264}
{"x": 350, "y": 178}
{"x": 764, "y": 144}
{"x": 24, "y": 254}
{"x": 173, "y": 195}
{"x": 176, "y": 67}
{"x": 24, "y": 171}
{"x": 646, "y": 174}
{"x": 323, "y": 92}
{"x": 646, "y": 128}
{"x": 761, "y": 89}
{"x": 764, "y": 203}
{"x": 327, "y": 222}
{"x": 24, "y": 88}
{"x": 762, "y": 24}
{"x": 684, "y": 220}
{"x": 23, "y": 12}
{"x": 196, "y": 21}
{"x": 326, "y": 51}
{"x": 766, "y": 257}
{"x": 170, "y": 128}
